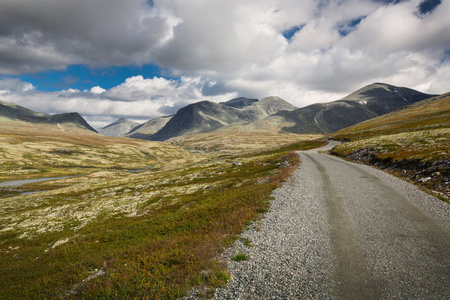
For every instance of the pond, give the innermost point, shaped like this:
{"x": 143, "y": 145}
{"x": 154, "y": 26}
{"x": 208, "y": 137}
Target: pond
{"x": 22, "y": 182}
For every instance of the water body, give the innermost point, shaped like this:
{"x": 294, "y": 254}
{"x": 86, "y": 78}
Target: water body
{"x": 22, "y": 182}
{"x": 29, "y": 193}
{"x": 141, "y": 170}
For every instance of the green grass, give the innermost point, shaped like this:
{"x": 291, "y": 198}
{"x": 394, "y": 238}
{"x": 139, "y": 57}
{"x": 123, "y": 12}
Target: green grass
{"x": 162, "y": 252}
{"x": 246, "y": 242}
{"x": 240, "y": 257}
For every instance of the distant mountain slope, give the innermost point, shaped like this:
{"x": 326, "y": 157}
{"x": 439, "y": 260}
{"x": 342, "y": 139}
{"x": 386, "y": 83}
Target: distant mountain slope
{"x": 239, "y": 102}
{"x": 144, "y": 131}
{"x": 10, "y": 112}
{"x": 118, "y": 128}
{"x": 366, "y": 103}
{"x": 208, "y": 116}
{"x": 428, "y": 114}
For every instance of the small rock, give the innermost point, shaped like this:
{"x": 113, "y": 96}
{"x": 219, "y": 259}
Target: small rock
{"x": 425, "y": 179}
{"x": 237, "y": 163}
{"x": 136, "y": 194}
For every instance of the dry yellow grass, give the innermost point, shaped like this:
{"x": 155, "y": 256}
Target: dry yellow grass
{"x": 239, "y": 138}
{"x": 31, "y": 151}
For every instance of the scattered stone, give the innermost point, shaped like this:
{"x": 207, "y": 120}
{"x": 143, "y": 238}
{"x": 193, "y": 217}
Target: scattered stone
{"x": 425, "y": 179}
{"x": 60, "y": 242}
{"x": 95, "y": 275}
{"x": 237, "y": 163}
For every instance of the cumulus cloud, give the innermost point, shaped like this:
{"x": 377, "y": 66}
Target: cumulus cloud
{"x": 303, "y": 51}
{"x": 14, "y": 85}
{"x": 137, "y": 98}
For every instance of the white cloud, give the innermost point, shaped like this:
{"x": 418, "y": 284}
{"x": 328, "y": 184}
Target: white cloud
{"x": 137, "y": 98}
{"x": 97, "y": 90}
{"x": 221, "y": 49}
{"x": 12, "y": 85}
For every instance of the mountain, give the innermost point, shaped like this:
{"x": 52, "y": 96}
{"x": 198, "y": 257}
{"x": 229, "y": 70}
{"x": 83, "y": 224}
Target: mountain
{"x": 239, "y": 102}
{"x": 10, "y": 112}
{"x": 13, "y": 112}
{"x": 366, "y": 103}
{"x": 208, "y": 116}
{"x": 144, "y": 131}
{"x": 118, "y": 128}
{"x": 429, "y": 114}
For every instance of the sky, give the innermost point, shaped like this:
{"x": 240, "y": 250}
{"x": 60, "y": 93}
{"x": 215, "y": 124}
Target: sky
{"x": 141, "y": 59}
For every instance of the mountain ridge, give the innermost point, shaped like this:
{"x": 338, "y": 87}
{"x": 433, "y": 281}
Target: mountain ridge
{"x": 145, "y": 130}
{"x": 368, "y": 102}
{"x": 118, "y": 128}
{"x": 10, "y": 112}
{"x": 206, "y": 116}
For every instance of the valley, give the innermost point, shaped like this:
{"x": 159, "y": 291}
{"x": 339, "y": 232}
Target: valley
{"x": 149, "y": 217}
{"x": 134, "y": 218}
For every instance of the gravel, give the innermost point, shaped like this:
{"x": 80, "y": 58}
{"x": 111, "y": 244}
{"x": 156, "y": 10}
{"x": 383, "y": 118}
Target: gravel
{"x": 339, "y": 230}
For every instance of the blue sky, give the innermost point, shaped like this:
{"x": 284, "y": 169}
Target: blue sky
{"x": 83, "y": 77}
{"x": 141, "y": 59}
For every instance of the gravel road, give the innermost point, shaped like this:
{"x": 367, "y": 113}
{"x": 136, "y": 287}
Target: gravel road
{"x": 340, "y": 230}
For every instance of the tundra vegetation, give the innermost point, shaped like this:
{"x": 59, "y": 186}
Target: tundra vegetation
{"x": 412, "y": 143}
{"x": 154, "y": 232}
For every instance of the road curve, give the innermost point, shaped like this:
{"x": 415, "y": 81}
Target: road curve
{"x": 340, "y": 230}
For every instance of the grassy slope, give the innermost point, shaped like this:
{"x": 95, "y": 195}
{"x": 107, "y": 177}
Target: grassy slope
{"x": 115, "y": 234}
{"x": 238, "y": 139}
{"x": 32, "y": 151}
{"x": 413, "y": 142}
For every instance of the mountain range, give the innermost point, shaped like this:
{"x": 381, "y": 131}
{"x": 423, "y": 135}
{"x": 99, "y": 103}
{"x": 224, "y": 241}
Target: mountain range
{"x": 208, "y": 116}
{"x": 275, "y": 114}
{"x": 269, "y": 114}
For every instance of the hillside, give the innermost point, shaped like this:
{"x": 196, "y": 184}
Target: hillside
{"x": 44, "y": 150}
{"x": 366, "y": 103}
{"x": 413, "y": 142}
{"x": 10, "y": 112}
{"x": 118, "y": 128}
{"x": 208, "y": 116}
